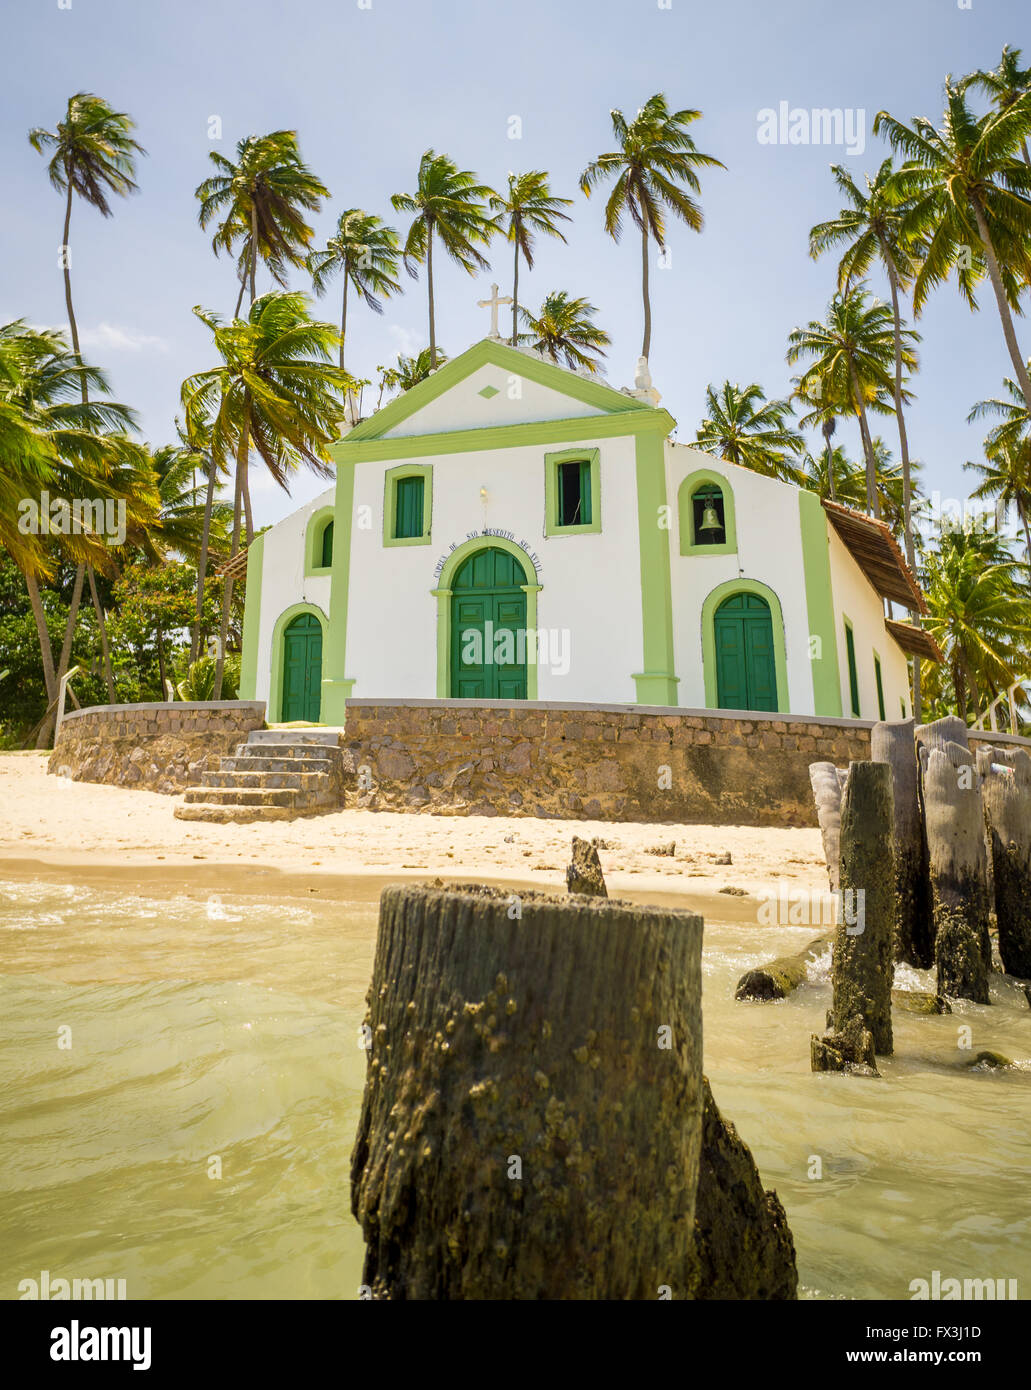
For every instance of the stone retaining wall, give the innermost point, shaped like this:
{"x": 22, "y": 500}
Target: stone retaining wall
{"x": 160, "y": 747}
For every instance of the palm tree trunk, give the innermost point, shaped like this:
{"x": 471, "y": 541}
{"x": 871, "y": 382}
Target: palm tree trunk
{"x": 872, "y": 502}
{"x": 907, "y": 485}
{"x": 202, "y": 560}
{"x": 161, "y": 661}
{"x": 46, "y": 728}
{"x": 248, "y": 519}
{"x": 73, "y": 327}
{"x": 1021, "y": 512}
{"x": 429, "y": 281}
{"x": 239, "y": 298}
{"x": 647, "y": 343}
{"x": 343, "y": 321}
{"x": 831, "y": 487}
{"x": 254, "y": 248}
{"x": 515, "y": 297}
{"x": 227, "y": 592}
{"x": 46, "y": 651}
{"x": 1019, "y": 365}
{"x": 109, "y": 678}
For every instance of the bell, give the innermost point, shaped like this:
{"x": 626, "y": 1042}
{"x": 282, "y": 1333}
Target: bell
{"x": 710, "y": 519}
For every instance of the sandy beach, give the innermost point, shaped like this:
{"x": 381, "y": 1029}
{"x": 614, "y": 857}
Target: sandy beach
{"x": 50, "y": 826}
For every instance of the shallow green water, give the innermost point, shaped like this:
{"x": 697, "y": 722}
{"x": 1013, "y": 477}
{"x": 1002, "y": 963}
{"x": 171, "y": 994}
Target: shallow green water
{"x": 204, "y": 1029}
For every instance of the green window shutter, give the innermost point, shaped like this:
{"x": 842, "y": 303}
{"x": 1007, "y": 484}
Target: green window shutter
{"x": 585, "y": 492}
{"x": 408, "y": 509}
{"x": 880, "y": 687}
{"x": 327, "y": 545}
{"x": 853, "y": 678}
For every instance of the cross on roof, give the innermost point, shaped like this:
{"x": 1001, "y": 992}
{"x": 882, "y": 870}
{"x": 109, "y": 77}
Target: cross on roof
{"x": 493, "y": 303}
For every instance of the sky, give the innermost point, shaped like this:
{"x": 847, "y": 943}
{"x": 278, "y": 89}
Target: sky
{"x": 370, "y": 84}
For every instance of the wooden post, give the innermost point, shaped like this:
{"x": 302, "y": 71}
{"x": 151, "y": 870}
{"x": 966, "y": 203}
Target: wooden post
{"x": 584, "y": 875}
{"x": 532, "y": 1118}
{"x": 1007, "y": 809}
{"x": 894, "y": 744}
{"x": 954, "y": 819}
{"x": 826, "y": 786}
{"x": 863, "y": 965}
{"x": 776, "y": 979}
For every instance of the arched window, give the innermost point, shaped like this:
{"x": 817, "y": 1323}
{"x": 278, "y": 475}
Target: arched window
{"x": 705, "y": 504}
{"x": 318, "y": 542}
{"x": 327, "y": 545}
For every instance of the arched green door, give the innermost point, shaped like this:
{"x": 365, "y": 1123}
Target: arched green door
{"x": 746, "y": 669}
{"x": 488, "y": 628}
{"x": 302, "y": 669}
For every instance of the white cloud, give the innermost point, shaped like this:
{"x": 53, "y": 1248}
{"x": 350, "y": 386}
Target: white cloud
{"x": 408, "y": 341}
{"x": 112, "y": 337}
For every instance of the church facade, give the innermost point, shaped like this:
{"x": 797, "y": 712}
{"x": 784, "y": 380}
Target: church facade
{"x": 510, "y": 530}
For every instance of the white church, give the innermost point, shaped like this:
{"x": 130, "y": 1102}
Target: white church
{"x": 509, "y": 530}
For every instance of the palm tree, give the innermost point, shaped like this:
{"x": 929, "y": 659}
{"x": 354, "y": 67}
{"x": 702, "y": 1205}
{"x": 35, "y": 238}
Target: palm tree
{"x": 1006, "y": 477}
{"x": 450, "y": 203}
{"x": 833, "y": 475}
{"x": 407, "y": 372}
{"x": 654, "y": 167}
{"x": 1005, "y": 84}
{"x": 528, "y": 208}
{"x": 853, "y": 353}
{"x": 743, "y": 427}
{"x": 979, "y": 614}
{"x": 276, "y": 389}
{"x": 94, "y": 155}
{"x": 563, "y": 330}
{"x": 971, "y": 202}
{"x": 366, "y": 252}
{"x": 261, "y": 202}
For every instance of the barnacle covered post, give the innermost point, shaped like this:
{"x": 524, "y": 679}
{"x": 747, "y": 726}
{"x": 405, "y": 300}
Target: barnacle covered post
{"x": 826, "y": 781}
{"x": 533, "y": 1095}
{"x": 894, "y": 744}
{"x": 1007, "y": 809}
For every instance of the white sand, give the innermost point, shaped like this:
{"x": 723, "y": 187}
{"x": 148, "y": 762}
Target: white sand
{"x": 50, "y": 826}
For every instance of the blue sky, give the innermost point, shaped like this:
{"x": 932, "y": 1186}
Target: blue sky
{"x": 368, "y": 89}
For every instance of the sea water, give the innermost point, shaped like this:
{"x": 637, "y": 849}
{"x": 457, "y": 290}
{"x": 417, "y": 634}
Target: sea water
{"x": 180, "y": 1080}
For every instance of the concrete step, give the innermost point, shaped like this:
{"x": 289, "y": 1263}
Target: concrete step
{"x": 259, "y": 780}
{"x": 296, "y": 736}
{"x": 307, "y": 751}
{"x": 255, "y": 763}
{"x": 242, "y": 815}
{"x": 242, "y": 796}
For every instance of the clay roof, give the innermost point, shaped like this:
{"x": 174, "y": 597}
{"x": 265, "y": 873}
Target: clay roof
{"x": 915, "y": 640}
{"x": 876, "y": 552}
{"x": 236, "y": 567}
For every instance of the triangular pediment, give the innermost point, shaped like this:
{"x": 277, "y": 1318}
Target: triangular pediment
{"x": 493, "y": 384}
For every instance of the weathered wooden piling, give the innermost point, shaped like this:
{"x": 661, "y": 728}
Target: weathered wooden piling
{"x": 532, "y": 1118}
{"x": 894, "y": 744}
{"x": 863, "y": 964}
{"x": 954, "y": 821}
{"x": 826, "y": 785}
{"x": 1006, "y": 789}
{"x": 776, "y": 979}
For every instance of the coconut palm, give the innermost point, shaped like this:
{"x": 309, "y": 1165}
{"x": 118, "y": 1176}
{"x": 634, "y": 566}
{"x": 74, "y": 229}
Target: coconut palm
{"x": 1005, "y": 84}
{"x": 448, "y": 202}
{"x": 259, "y": 204}
{"x": 277, "y": 391}
{"x": 1006, "y": 477}
{"x": 970, "y": 191}
{"x": 743, "y": 427}
{"x": 852, "y": 356}
{"x": 94, "y": 156}
{"x": 655, "y": 170}
{"x": 407, "y": 372}
{"x": 563, "y": 331}
{"x": 979, "y": 614}
{"x": 529, "y": 207}
{"x": 365, "y": 252}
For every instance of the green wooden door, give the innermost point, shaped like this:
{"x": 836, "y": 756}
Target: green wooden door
{"x": 488, "y": 628}
{"x": 302, "y": 669}
{"x": 746, "y": 668}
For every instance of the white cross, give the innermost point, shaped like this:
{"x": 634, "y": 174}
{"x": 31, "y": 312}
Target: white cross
{"x": 493, "y": 303}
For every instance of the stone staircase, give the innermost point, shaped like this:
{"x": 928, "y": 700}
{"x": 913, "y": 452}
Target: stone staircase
{"x": 278, "y": 774}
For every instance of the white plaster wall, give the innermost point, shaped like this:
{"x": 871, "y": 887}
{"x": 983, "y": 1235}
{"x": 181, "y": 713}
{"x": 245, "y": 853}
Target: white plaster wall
{"x": 769, "y": 550}
{"x": 590, "y": 583}
{"x": 283, "y": 582}
{"x": 518, "y": 401}
{"x": 855, "y": 599}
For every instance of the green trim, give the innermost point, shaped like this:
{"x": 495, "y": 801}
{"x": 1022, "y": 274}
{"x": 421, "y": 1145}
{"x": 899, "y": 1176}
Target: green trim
{"x": 657, "y": 683}
{"x": 855, "y": 700}
{"x": 551, "y": 463}
{"x": 819, "y": 597}
{"x": 390, "y": 478}
{"x": 274, "y": 709}
{"x": 685, "y": 514}
{"x": 443, "y": 592}
{"x": 252, "y": 618}
{"x": 336, "y": 685}
{"x": 490, "y": 352}
{"x": 313, "y": 565}
{"x": 878, "y": 675}
{"x": 780, "y": 660}
{"x": 535, "y": 432}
